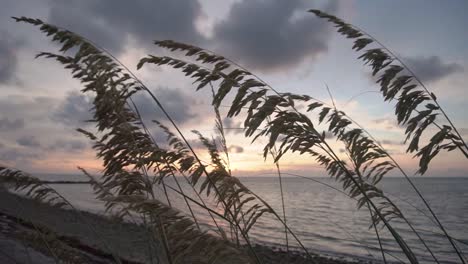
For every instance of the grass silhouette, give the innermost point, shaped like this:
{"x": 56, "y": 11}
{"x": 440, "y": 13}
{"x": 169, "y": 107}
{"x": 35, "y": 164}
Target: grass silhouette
{"x": 134, "y": 163}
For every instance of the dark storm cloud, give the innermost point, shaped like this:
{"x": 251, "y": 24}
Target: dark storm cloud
{"x": 21, "y": 110}
{"x": 110, "y": 22}
{"x": 273, "y": 35}
{"x": 64, "y": 144}
{"x": 13, "y": 154}
{"x": 8, "y": 58}
{"x": 179, "y": 105}
{"x": 11, "y": 124}
{"x": 28, "y": 141}
{"x": 68, "y": 145}
{"x": 74, "y": 110}
{"x": 432, "y": 68}
{"x": 31, "y": 119}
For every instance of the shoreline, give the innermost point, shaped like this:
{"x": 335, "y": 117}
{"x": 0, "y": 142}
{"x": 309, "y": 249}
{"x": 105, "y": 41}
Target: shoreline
{"x": 101, "y": 238}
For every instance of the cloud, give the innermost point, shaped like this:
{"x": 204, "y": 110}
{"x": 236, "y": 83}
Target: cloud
{"x": 74, "y": 110}
{"x": 7, "y": 124}
{"x": 179, "y": 105}
{"x": 30, "y": 109}
{"x": 273, "y": 35}
{"x": 232, "y": 127}
{"x": 63, "y": 144}
{"x": 14, "y": 155}
{"x": 197, "y": 145}
{"x": 29, "y": 132}
{"x": 110, "y": 22}
{"x": 382, "y": 120}
{"x": 9, "y": 60}
{"x": 463, "y": 131}
{"x": 432, "y": 68}
{"x": 392, "y": 142}
{"x": 388, "y": 123}
{"x": 235, "y": 149}
{"x": 28, "y": 141}
{"x": 329, "y": 135}
{"x": 68, "y": 145}
{"x": 24, "y": 116}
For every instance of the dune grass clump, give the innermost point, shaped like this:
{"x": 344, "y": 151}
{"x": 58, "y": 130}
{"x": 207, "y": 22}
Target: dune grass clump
{"x": 134, "y": 163}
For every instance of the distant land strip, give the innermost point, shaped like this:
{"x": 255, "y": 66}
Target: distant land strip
{"x": 65, "y": 182}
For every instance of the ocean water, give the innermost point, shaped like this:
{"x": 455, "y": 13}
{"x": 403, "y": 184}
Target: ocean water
{"x": 328, "y": 222}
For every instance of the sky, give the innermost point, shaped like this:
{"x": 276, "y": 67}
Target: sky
{"x": 41, "y": 105}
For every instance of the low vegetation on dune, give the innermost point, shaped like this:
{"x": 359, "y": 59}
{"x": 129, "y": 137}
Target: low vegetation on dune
{"x": 134, "y": 162}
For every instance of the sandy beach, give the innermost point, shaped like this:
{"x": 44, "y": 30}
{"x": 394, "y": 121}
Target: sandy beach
{"x": 95, "y": 235}
{"x": 45, "y": 234}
